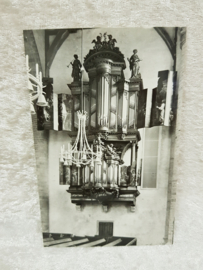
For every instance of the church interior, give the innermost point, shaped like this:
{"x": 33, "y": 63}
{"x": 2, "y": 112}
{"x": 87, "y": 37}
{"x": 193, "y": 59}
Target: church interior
{"x": 103, "y": 103}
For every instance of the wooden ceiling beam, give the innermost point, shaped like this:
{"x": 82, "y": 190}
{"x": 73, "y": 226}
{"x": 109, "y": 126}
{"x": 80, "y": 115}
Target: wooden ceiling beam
{"x": 169, "y": 42}
{"x": 51, "y": 51}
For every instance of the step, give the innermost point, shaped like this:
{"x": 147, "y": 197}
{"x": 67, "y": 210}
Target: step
{"x": 94, "y": 243}
{"x": 131, "y": 242}
{"x": 55, "y": 242}
{"x": 73, "y": 243}
{"x": 48, "y": 239}
{"x": 111, "y": 244}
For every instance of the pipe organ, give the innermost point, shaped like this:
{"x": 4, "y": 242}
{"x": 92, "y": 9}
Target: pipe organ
{"x": 111, "y": 103}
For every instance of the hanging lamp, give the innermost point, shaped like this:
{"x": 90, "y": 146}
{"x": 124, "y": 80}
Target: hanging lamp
{"x": 35, "y": 94}
{"x": 81, "y": 153}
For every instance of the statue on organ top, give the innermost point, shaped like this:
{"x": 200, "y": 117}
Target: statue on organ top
{"x": 134, "y": 64}
{"x": 76, "y": 71}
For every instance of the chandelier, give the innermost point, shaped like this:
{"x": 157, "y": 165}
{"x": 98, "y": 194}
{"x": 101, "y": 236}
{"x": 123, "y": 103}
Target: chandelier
{"x": 80, "y": 153}
{"x": 93, "y": 164}
{"x": 38, "y": 93}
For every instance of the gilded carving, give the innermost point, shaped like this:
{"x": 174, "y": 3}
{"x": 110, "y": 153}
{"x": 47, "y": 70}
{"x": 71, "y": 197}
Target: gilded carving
{"x": 98, "y": 43}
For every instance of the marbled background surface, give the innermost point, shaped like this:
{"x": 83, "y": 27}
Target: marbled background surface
{"x": 20, "y": 228}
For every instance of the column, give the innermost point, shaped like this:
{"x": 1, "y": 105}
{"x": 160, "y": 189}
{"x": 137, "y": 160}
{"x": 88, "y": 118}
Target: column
{"x": 115, "y": 171}
{"x": 125, "y": 111}
{"x": 87, "y": 174}
{"x": 110, "y": 173}
{"x": 104, "y": 176}
{"x": 118, "y": 176}
{"x": 97, "y": 173}
{"x": 79, "y": 169}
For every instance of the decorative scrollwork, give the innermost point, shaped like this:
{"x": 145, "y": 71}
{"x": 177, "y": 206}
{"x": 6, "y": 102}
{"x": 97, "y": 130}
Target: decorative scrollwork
{"x": 123, "y": 136}
{"x": 105, "y": 48}
{"x": 98, "y": 43}
{"x": 116, "y": 78}
{"x": 107, "y": 77}
{"x": 100, "y": 194}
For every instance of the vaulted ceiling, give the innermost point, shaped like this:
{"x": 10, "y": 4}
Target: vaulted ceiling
{"x": 60, "y": 35}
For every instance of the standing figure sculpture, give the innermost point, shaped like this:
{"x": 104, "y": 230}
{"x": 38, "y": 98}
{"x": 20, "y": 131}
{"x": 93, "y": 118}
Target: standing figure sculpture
{"x": 111, "y": 42}
{"x": 134, "y": 64}
{"x": 76, "y": 72}
{"x": 162, "y": 111}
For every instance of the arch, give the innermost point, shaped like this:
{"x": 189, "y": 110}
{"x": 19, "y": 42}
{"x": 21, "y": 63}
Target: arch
{"x": 61, "y": 36}
{"x": 128, "y": 146}
{"x": 166, "y": 38}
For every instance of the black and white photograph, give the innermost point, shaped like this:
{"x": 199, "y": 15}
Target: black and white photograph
{"x": 104, "y": 105}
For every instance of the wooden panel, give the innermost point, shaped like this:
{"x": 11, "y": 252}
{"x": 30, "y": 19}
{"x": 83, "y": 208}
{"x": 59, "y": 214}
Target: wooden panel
{"x": 49, "y": 109}
{"x": 153, "y": 108}
{"x": 113, "y": 243}
{"x": 159, "y": 99}
{"x": 106, "y": 229}
{"x": 142, "y": 104}
{"x": 94, "y": 243}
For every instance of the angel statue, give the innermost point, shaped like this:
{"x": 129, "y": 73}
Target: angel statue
{"x": 111, "y": 42}
{"x": 134, "y": 64}
{"x": 98, "y": 42}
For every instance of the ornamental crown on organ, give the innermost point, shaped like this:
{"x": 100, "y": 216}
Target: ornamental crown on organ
{"x": 111, "y": 104}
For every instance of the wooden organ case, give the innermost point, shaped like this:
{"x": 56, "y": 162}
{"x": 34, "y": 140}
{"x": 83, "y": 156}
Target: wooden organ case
{"x": 111, "y": 103}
